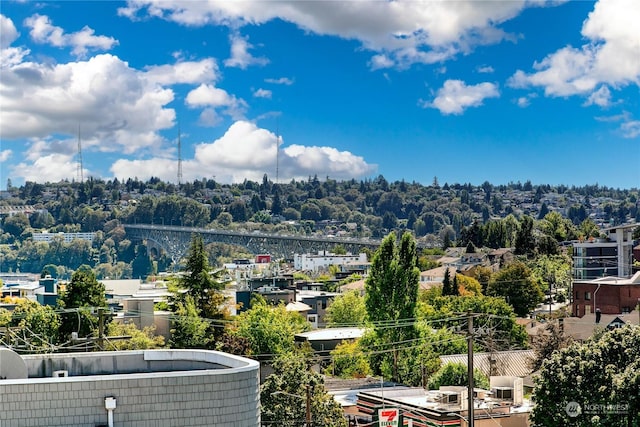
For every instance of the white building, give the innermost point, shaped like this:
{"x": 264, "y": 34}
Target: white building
{"x": 67, "y": 237}
{"x": 324, "y": 259}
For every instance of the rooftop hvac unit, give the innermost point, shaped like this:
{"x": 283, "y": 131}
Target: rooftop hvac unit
{"x": 503, "y": 393}
{"x": 60, "y": 374}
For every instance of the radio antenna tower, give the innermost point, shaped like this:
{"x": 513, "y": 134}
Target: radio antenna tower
{"x": 179, "y": 157}
{"x": 277, "y": 151}
{"x": 79, "y": 163}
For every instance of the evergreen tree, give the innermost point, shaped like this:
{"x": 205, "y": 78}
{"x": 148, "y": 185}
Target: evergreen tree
{"x": 201, "y": 284}
{"x": 446, "y": 283}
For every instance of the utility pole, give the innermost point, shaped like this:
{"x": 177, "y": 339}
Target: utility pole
{"x": 308, "y": 413}
{"x": 470, "y": 368}
{"x": 100, "y": 328}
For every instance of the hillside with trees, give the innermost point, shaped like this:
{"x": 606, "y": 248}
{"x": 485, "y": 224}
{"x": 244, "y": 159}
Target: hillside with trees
{"x": 531, "y": 218}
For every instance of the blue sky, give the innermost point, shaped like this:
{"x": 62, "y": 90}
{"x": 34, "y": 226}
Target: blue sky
{"x": 498, "y": 91}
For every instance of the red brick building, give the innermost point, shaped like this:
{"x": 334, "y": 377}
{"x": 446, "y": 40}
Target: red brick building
{"x": 612, "y": 295}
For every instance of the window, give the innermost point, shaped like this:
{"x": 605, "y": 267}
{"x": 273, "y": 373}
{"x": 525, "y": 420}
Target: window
{"x": 587, "y": 296}
{"x": 577, "y": 295}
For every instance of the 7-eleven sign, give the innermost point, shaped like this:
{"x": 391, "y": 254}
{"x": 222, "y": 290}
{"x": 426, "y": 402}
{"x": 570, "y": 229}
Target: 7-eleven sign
{"x": 388, "y": 417}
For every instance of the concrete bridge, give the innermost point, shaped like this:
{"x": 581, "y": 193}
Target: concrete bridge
{"x": 175, "y": 241}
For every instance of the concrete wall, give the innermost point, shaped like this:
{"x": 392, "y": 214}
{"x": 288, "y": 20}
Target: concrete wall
{"x": 204, "y": 397}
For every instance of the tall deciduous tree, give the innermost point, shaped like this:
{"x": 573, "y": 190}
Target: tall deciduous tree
{"x": 391, "y": 295}
{"x": 592, "y": 384}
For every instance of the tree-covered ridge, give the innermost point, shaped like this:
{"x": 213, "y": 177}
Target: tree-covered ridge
{"x": 440, "y": 215}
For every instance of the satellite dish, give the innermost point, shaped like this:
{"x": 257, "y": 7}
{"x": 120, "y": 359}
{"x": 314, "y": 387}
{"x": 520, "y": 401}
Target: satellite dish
{"x": 12, "y": 366}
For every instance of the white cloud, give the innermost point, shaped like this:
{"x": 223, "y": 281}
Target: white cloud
{"x": 240, "y": 55}
{"x": 52, "y": 168}
{"x": 184, "y": 72}
{"x": 262, "y": 93}
{"x": 399, "y": 32}
{"x": 43, "y": 31}
{"x": 246, "y": 151}
{"x": 8, "y": 32}
{"x": 611, "y": 57}
{"x": 630, "y": 129}
{"x": 281, "y": 81}
{"x": 601, "y": 97}
{"x": 485, "y": 69}
{"x": 5, "y": 155}
{"x": 210, "y": 96}
{"x": 455, "y": 96}
{"x": 523, "y": 102}
{"x": 9, "y": 56}
{"x": 116, "y": 106}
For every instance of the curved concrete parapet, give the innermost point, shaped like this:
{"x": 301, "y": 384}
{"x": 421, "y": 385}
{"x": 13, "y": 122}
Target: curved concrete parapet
{"x": 148, "y": 388}
{"x": 11, "y": 365}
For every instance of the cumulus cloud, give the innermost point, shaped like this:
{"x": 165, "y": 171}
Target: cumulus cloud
{"x": 601, "y": 97}
{"x": 455, "y": 96}
{"x": 40, "y": 100}
{"x": 8, "y": 32}
{"x": 399, "y": 32}
{"x": 184, "y": 72}
{"x": 246, "y": 151}
{"x": 240, "y": 55}
{"x": 262, "y": 93}
{"x": 43, "y": 31}
{"x": 5, "y": 155}
{"x": 609, "y": 59}
{"x": 9, "y": 56}
{"x": 207, "y": 95}
{"x": 52, "y": 168}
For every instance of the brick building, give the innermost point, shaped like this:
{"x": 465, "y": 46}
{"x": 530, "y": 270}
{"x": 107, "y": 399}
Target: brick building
{"x": 612, "y": 295}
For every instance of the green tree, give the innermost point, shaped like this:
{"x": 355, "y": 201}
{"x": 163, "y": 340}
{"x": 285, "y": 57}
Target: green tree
{"x": 525, "y": 243}
{"x": 348, "y": 361}
{"x": 347, "y": 309}
{"x": 84, "y": 294}
{"x": 447, "y": 287}
{"x": 519, "y": 288}
{"x": 138, "y": 339}
{"x": 268, "y": 329}
{"x": 189, "y": 330}
{"x": 284, "y": 394}
{"x": 35, "y": 324}
{"x": 601, "y": 374}
{"x": 391, "y": 295}
{"x": 201, "y": 283}
{"x": 457, "y": 374}
{"x": 492, "y": 312}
